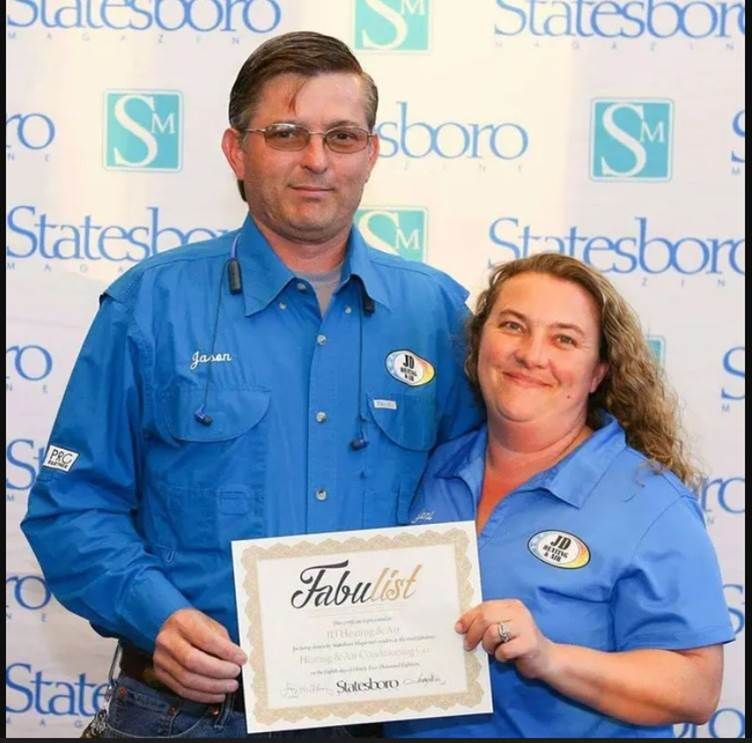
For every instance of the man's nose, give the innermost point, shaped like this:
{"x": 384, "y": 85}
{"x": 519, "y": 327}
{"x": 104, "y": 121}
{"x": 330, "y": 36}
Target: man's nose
{"x": 315, "y": 155}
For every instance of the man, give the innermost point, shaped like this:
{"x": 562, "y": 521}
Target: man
{"x": 281, "y": 379}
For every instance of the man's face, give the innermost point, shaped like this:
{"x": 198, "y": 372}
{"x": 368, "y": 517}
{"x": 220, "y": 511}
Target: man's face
{"x": 308, "y": 195}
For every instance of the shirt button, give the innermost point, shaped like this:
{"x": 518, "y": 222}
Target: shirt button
{"x": 348, "y": 309}
{"x": 321, "y": 494}
{"x": 320, "y": 416}
{"x": 321, "y": 339}
{"x": 301, "y": 286}
{"x": 282, "y": 306}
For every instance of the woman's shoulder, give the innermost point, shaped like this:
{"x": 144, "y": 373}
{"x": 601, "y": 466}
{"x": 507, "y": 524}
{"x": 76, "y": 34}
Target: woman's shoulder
{"x": 450, "y": 456}
{"x": 637, "y": 482}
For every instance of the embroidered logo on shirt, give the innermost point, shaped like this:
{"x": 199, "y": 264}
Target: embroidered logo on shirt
{"x": 409, "y": 368}
{"x": 58, "y": 458}
{"x": 208, "y": 358}
{"x": 560, "y": 549}
{"x": 423, "y": 516}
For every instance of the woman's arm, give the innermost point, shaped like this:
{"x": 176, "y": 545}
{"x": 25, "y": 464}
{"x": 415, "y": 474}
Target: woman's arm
{"x": 643, "y": 687}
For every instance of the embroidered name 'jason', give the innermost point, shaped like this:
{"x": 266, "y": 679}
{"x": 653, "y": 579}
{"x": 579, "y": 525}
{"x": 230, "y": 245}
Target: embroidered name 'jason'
{"x": 208, "y": 358}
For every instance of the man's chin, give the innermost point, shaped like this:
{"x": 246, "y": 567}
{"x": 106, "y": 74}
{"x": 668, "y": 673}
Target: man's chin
{"x": 316, "y": 226}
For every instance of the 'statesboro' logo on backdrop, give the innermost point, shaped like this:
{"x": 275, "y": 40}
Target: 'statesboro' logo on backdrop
{"x": 392, "y": 25}
{"x": 31, "y": 131}
{"x": 142, "y": 130}
{"x": 631, "y": 139}
{"x": 657, "y": 345}
{"x": 401, "y": 231}
{"x": 606, "y": 19}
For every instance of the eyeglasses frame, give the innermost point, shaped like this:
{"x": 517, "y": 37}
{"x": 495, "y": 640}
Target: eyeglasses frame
{"x": 369, "y": 136}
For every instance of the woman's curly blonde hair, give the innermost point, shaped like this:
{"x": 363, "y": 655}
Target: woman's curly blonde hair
{"x": 634, "y": 389}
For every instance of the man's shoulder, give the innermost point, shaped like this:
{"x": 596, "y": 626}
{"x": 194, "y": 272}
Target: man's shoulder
{"x": 173, "y": 261}
{"x": 415, "y": 275}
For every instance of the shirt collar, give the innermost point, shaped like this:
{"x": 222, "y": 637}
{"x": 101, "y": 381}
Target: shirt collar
{"x": 264, "y": 275}
{"x": 571, "y": 480}
{"x": 468, "y": 462}
{"x": 358, "y": 263}
{"x": 574, "y": 478}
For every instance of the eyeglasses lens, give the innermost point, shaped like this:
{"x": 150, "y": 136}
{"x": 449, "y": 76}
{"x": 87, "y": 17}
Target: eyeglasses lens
{"x": 339, "y": 139}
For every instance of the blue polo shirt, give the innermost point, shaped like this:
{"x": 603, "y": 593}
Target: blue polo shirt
{"x": 605, "y": 552}
{"x": 132, "y": 514}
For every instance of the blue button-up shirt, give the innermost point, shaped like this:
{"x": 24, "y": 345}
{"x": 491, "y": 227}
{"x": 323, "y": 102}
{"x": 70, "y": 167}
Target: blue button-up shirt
{"x": 636, "y": 569}
{"x": 138, "y": 524}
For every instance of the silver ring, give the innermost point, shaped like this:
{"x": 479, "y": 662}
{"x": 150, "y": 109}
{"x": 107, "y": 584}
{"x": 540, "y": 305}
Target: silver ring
{"x": 504, "y": 634}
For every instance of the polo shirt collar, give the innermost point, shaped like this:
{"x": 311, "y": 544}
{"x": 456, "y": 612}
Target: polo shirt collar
{"x": 264, "y": 275}
{"x": 574, "y": 478}
{"x": 468, "y": 462}
{"x": 571, "y": 480}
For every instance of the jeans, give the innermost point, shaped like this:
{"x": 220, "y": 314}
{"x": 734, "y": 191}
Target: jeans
{"x": 140, "y": 711}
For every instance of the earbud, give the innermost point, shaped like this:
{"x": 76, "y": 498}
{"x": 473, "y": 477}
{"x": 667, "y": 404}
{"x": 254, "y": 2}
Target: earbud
{"x": 202, "y": 417}
{"x": 359, "y": 442}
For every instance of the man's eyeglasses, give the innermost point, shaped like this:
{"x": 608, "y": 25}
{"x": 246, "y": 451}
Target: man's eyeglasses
{"x": 293, "y": 137}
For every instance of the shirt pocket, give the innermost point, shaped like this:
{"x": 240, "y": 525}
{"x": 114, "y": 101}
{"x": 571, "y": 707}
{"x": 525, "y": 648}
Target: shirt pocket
{"x": 405, "y": 427}
{"x": 211, "y": 480}
{"x": 233, "y": 410}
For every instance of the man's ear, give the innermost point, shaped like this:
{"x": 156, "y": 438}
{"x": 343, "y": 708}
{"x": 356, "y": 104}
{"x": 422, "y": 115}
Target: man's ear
{"x": 373, "y": 153}
{"x": 233, "y": 148}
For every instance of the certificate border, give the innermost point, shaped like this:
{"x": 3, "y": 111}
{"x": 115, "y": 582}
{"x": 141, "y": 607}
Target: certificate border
{"x": 473, "y": 694}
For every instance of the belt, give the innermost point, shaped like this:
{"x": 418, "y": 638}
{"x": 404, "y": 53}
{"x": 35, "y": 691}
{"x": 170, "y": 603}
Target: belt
{"x": 139, "y": 665}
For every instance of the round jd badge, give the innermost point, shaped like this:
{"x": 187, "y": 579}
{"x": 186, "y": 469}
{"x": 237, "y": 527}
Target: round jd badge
{"x": 409, "y": 368}
{"x": 560, "y": 549}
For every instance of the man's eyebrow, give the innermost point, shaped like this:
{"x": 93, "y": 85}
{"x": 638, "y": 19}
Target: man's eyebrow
{"x": 344, "y": 122}
{"x": 331, "y": 125}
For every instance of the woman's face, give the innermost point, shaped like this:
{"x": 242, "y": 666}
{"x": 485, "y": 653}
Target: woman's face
{"x": 538, "y": 358}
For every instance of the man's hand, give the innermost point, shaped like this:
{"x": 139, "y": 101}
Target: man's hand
{"x": 194, "y": 656}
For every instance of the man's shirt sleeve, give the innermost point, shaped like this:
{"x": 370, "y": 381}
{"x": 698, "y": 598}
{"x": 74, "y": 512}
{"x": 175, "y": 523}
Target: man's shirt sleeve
{"x": 460, "y": 408}
{"x": 81, "y": 516}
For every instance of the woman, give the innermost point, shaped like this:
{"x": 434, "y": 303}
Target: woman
{"x": 605, "y": 611}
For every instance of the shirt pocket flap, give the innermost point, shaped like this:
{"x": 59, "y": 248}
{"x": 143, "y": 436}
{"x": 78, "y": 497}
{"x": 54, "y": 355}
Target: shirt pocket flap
{"x": 233, "y": 411}
{"x": 407, "y": 420}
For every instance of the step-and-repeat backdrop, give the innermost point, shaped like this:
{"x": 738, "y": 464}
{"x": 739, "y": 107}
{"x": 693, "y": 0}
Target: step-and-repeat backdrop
{"x": 609, "y": 131}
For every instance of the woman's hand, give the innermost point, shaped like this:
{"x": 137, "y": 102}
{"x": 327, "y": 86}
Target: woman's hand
{"x": 507, "y": 630}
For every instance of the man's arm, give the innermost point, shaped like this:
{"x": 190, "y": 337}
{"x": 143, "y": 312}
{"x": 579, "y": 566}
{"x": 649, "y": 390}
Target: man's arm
{"x": 80, "y": 521}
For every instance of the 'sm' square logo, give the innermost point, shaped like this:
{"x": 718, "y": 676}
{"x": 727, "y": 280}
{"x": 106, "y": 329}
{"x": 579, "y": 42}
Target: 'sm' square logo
{"x": 392, "y": 25}
{"x": 657, "y": 345}
{"x": 397, "y": 230}
{"x": 143, "y": 130}
{"x": 631, "y": 139}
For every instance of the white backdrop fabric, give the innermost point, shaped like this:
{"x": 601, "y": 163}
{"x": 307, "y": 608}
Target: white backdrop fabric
{"x": 612, "y": 131}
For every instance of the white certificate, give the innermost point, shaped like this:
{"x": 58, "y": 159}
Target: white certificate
{"x": 358, "y": 626}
